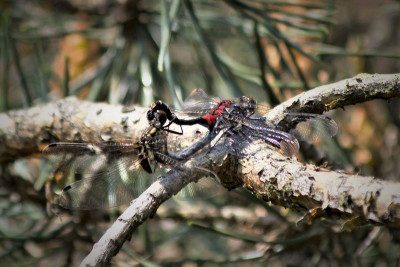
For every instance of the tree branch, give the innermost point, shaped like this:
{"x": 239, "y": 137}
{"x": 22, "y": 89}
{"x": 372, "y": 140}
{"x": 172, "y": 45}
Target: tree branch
{"x": 141, "y": 209}
{"x": 272, "y": 177}
{"x": 320, "y": 191}
{"x": 361, "y": 88}
{"x": 25, "y": 132}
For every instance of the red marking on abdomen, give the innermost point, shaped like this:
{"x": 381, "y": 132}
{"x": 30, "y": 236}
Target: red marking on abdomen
{"x": 210, "y": 119}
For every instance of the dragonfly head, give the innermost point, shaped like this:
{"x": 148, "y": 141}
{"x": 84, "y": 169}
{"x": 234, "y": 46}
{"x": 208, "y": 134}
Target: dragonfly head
{"x": 247, "y": 104}
{"x": 154, "y": 108}
{"x": 157, "y": 119}
{"x": 159, "y": 107}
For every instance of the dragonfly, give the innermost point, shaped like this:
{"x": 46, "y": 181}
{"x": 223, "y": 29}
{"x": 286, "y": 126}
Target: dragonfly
{"x": 243, "y": 119}
{"x": 113, "y": 173}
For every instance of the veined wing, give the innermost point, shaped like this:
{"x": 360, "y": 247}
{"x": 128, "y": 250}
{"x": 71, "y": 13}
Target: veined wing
{"x": 88, "y": 158}
{"x": 107, "y": 179}
{"x": 107, "y": 189}
{"x": 249, "y": 130}
{"x": 199, "y": 103}
{"x": 284, "y": 142}
{"x": 125, "y": 146}
{"x": 206, "y": 187}
{"x": 312, "y": 127}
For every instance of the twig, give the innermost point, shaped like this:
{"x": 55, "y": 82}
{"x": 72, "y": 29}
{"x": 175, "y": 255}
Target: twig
{"x": 207, "y": 213}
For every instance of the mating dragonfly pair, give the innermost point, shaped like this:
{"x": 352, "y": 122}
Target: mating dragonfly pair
{"x": 112, "y": 173}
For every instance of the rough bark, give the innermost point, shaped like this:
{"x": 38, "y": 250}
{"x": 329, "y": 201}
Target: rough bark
{"x": 319, "y": 191}
{"x": 350, "y": 199}
{"x": 361, "y": 88}
{"x": 283, "y": 181}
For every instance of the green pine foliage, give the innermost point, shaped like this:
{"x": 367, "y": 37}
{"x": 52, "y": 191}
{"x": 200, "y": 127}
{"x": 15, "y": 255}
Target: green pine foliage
{"x": 138, "y": 51}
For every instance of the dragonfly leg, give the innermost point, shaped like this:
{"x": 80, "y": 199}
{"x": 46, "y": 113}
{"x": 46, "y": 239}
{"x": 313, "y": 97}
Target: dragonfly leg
{"x": 172, "y": 131}
{"x": 166, "y": 127}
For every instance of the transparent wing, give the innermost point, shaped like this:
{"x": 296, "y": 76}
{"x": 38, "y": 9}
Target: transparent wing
{"x": 246, "y": 130}
{"x": 199, "y": 103}
{"x": 109, "y": 174}
{"x": 206, "y": 187}
{"x": 88, "y": 158}
{"x": 124, "y": 146}
{"x": 312, "y": 127}
{"x": 100, "y": 191}
{"x": 121, "y": 183}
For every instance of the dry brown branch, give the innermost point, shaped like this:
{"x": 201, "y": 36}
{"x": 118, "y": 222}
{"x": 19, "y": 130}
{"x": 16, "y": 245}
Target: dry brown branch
{"x": 272, "y": 177}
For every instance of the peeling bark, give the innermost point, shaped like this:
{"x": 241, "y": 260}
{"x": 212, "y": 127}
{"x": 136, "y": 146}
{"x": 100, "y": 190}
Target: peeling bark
{"x": 289, "y": 183}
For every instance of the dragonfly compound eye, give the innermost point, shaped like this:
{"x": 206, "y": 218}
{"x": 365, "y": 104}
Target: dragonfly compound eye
{"x": 252, "y": 101}
{"x": 157, "y": 119}
{"x": 162, "y": 117}
{"x": 150, "y": 115}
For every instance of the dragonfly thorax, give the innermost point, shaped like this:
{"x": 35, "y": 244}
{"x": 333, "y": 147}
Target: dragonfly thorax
{"x": 220, "y": 109}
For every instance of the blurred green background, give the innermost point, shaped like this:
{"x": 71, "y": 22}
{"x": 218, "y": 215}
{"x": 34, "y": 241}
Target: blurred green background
{"x": 134, "y": 52}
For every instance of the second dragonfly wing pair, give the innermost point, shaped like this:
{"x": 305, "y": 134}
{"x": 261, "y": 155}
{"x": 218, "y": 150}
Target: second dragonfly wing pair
{"x": 109, "y": 173}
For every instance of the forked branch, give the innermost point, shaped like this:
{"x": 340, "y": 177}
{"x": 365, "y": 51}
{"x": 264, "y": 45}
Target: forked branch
{"x": 354, "y": 199}
{"x": 272, "y": 177}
